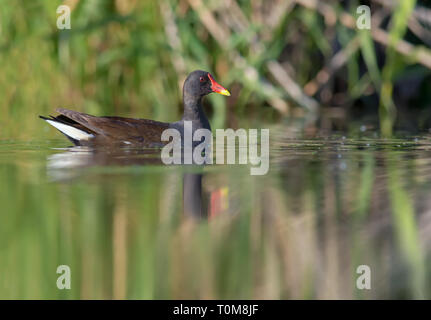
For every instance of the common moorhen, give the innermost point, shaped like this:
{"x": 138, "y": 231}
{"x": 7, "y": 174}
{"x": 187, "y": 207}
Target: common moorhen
{"x": 87, "y": 130}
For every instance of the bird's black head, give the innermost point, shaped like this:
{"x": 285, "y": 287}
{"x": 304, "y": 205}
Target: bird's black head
{"x": 200, "y": 83}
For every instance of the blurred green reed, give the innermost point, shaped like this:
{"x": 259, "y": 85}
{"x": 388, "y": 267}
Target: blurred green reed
{"x": 393, "y": 64}
{"x": 406, "y": 229}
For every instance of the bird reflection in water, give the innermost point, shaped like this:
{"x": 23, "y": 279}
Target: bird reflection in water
{"x": 71, "y": 164}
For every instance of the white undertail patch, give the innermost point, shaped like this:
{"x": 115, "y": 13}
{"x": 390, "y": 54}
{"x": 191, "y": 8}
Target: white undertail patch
{"x": 70, "y": 131}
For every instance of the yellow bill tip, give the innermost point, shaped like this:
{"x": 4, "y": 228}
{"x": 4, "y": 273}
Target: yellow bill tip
{"x": 224, "y": 92}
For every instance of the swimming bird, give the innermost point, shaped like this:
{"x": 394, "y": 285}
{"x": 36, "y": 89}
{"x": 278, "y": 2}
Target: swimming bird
{"x": 87, "y": 130}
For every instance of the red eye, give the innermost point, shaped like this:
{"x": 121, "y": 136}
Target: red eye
{"x": 202, "y": 79}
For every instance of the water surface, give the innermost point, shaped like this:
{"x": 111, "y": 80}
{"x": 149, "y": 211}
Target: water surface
{"x": 118, "y": 219}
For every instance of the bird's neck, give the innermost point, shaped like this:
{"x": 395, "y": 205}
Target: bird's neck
{"x": 193, "y": 108}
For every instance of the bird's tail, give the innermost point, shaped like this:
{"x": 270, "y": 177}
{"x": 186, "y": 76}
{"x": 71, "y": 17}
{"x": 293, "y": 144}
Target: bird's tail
{"x": 69, "y": 128}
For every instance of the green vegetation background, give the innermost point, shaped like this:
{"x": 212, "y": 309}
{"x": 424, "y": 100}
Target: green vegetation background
{"x": 130, "y": 58}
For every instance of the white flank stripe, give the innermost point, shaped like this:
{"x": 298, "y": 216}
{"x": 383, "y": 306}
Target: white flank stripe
{"x": 71, "y": 131}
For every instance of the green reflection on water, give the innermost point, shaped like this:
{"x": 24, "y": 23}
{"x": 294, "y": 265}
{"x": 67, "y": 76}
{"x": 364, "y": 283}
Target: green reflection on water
{"x": 326, "y": 206}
